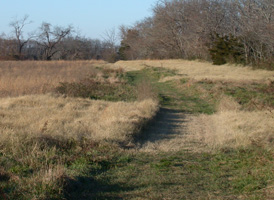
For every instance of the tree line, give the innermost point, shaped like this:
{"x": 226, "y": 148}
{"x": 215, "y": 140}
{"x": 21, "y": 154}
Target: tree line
{"x": 50, "y": 42}
{"x": 237, "y": 31}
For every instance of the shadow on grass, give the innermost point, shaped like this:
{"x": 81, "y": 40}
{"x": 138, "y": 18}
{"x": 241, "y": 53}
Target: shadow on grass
{"x": 87, "y": 187}
{"x": 165, "y": 126}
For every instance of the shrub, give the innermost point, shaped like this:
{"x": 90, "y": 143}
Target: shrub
{"x": 227, "y": 49}
{"x": 107, "y": 85}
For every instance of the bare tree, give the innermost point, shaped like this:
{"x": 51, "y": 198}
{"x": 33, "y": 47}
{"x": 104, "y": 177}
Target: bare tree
{"x": 188, "y": 29}
{"x": 49, "y": 37}
{"x": 7, "y": 48}
{"x": 138, "y": 42}
{"x": 18, "y": 26}
{"x": 78, "y": 47}
{"x": 256, "y": 26}
{"x": 110, "y": 39}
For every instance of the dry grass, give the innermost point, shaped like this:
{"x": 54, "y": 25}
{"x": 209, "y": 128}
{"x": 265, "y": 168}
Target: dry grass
{"x": 40, "y": 77}
{"x": 43, "y": 135}
{"x": 39, "y": 133}
{"x": 230, "y": 127}
{"x": 36, "y": 131}
{"x": 202, "y": 70}
{"x": 57, "y": 117}
{"x": 146, "y": 91}
{"x": 233, "y": 128}
{"x": 269, "y": 191}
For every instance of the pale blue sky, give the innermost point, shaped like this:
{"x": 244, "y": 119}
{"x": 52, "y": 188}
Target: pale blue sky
{"x": 91, "y": 17}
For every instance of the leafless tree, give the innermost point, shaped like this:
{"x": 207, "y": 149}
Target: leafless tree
{"x": 110, "y": 39}
{"x": 78, "y": 47}
{"x": 188, "y": 29}
{"x": 7, "y": 48}
{"x": 50, "y": 37}
{"x": 18, "y": 26}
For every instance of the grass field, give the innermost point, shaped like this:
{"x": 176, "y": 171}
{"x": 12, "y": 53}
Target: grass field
{"x": 39, "y": 77}
{"x": 202, "y": 70}
{"x": 135, "y": 130}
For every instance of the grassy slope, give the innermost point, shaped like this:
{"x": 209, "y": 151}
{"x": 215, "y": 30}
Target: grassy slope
{"x": 100, "y": 170}
{"x": 186, "y": 175}
{"x": 41, "y": 77}
{"x": 186, "y": 99}
{"x": 226, "y": 174}
{"x": 47, "y": 141}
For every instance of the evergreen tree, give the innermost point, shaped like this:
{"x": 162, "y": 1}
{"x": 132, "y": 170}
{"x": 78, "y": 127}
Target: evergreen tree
{"x": 225, "y": 49}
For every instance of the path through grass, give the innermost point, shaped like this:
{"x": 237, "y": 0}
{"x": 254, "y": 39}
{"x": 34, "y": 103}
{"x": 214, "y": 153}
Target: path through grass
{"x": 161, "y": 164}
{"x": 179, "y": 174}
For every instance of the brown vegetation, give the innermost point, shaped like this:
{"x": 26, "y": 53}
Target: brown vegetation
{"x": 40, "y": 77}
{"x": 237, "y": 31}
{"x": 37, "y": 130}
{"x": 42, "y": 135}
{"x": 66, "y": 118}
{"x": 202, "y": 70}
{"x": 231, "y": 127}
{"x": 53, "y": 145}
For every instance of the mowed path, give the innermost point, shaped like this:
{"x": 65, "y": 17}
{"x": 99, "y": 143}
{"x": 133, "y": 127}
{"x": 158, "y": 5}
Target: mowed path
{"x": 168, "y": 132}
{"x": 169, "y": 129}
{"x": 167, "y": 162}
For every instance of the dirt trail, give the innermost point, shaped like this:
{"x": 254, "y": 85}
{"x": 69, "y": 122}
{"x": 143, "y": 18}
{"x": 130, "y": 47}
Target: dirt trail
{"x": 168, "y": 132}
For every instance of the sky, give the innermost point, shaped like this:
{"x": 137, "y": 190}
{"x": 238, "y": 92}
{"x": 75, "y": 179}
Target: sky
{"x": 91, "y": 17}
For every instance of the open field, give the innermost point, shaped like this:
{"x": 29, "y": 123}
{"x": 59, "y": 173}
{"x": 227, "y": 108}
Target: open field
{"x": 202, "y": 70}
{"x": 221, "y": 115}
{"x": 171, "y": 157}
{"x": 211, "y": 138}
{"x": 72, "y": 118}
{"x": 35, "y": 130}
{"x": 40, "y": 77}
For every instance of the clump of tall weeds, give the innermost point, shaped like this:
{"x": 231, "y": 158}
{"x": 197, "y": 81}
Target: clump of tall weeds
{"x": 108, "y": 85}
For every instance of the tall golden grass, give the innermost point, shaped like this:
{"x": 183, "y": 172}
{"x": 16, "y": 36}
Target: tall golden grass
{"x": 35, "y": 128}
{"x": 231, "y": 127}
{"x": 40, "y": 77}
{"x": 198, "y": 70}
{"x": 57, "y": 117}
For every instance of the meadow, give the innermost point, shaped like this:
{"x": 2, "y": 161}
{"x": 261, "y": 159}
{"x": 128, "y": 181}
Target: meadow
{"x": 38, "y": 77}
{"x": 201, "y": 70}
{"x": 243, "y": 98}
{"x": 135, "y": 130}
